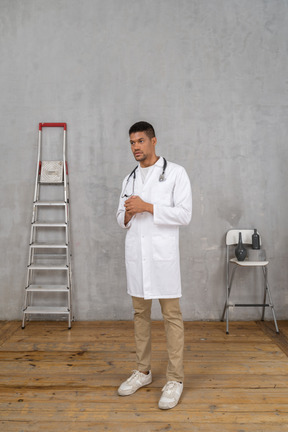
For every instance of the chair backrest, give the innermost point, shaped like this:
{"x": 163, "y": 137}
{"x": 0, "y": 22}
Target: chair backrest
{"x": 232, "y": 236}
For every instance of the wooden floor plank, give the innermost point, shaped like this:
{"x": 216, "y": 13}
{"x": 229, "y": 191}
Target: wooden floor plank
{"x": 7, "y": 329}
{"x": 108, "y": 394}
{"x": 91, "y": 381}
{"x": 52, "y": 379}
{"x": 150, "y": 415}
{"x": 92, "y": 408}
{"x": 159, "y": 426}
{"x": 196, "y": 354}
{"x": 281, "y": 339}
{"x": 111, "y": 367}
{"x": 128, "y": 347}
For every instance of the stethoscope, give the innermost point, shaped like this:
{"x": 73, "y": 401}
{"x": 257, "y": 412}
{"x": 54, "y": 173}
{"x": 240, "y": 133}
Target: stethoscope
{"x": 133, "y": 173}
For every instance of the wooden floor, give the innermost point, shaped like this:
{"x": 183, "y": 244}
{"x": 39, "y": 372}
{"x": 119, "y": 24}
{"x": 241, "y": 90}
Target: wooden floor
{"x": 53, "y": 379}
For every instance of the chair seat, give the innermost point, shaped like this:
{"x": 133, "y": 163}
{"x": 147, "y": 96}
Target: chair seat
{"x": 247, "y": 263}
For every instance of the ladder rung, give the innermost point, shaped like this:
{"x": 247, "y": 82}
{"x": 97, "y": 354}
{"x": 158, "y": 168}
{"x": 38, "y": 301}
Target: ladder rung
{"x": 48, "y": 256}
{"x": 48, "y": 267}
{"x": 47, "y": 288}
{"x": 252, "y": 305}
{"x": 41, "y": 182}
{"x": 45, "y": 245}
{"x": 50, "y": 224}
{"x": 50, "y": 203}
{"x": 46, "y": 310}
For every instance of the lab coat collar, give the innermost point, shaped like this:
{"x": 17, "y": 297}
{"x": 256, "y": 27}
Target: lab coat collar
{"x": 159, "y": 162}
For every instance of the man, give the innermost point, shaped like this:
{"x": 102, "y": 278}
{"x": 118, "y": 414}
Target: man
{"x": 156, "y": 198}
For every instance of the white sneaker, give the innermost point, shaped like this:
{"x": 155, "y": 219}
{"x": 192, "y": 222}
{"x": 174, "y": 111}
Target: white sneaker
{"x": 171, "y": 395}
{"x": 134, "y": 382}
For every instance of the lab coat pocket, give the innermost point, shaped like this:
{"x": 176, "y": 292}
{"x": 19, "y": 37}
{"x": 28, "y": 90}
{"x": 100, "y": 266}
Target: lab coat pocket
{"x": 164, "y": 248}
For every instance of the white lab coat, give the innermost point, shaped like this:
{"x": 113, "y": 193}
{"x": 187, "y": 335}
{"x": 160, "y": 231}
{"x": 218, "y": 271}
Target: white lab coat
{"x": 152, "y": 241}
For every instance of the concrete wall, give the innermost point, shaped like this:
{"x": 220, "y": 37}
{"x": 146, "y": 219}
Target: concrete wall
{"x": 212, "y": 78}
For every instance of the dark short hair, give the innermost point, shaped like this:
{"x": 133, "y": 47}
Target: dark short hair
{"x": 143, "y": 126}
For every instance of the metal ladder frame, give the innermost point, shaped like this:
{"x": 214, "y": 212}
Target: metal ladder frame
{"x": 30, "y": 289}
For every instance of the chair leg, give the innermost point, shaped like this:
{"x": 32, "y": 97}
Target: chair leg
{"x": 226, "y": 306}
{"x": 227, "y": 321}
{"x": 272, "y": 309}
{"x": 265, "y": 293}
{"x": 270, "y": 301}
{"x": 226, "y": 302}
{"x": 224, "y": 311}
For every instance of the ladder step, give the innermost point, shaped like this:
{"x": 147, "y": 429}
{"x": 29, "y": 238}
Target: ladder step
{"x": 50, "y": 203}
{"x": 50, "y": 224}
{"x": 48, "y": 256}
{"x": 46, "y": 310}
{"x": 45, "y": 245}
{"x": 47, "y": 288}
{"x": 48, "y": 267}
{"x": 49, "y": 183}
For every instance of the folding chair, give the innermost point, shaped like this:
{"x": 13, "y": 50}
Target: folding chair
{"x": 232, "y": 264}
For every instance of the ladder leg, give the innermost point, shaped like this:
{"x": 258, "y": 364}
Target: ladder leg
{"x": 24, "y": 308}
{"x": 69, "y": 297}
{"x": 25, "y": 299}
{"x": 69, "y": 321}
{"x": 23, "y": 321}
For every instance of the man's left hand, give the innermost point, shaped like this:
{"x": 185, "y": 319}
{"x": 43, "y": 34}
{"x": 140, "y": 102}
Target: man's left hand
{"x": 135, "y": 204}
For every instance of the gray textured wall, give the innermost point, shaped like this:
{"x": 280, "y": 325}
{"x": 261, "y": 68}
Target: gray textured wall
{"x": 210, "y": 75}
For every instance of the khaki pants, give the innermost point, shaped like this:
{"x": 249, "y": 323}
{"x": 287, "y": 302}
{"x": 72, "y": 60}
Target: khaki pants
{"x": 174, "y": 329}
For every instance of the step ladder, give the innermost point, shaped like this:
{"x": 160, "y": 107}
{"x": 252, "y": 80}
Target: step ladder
{"x": 49, "y": 274}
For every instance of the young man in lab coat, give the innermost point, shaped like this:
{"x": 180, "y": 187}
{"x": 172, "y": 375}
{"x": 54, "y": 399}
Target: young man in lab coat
{"x": 155, "y": 200}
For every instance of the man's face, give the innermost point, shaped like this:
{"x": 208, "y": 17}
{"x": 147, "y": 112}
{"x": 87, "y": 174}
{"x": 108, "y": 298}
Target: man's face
{"x": 143, "y": 148}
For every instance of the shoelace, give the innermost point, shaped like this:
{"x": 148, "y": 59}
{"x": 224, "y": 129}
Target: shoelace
{"x": 134, "y": 374}
{"x": 169, "y": 386}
